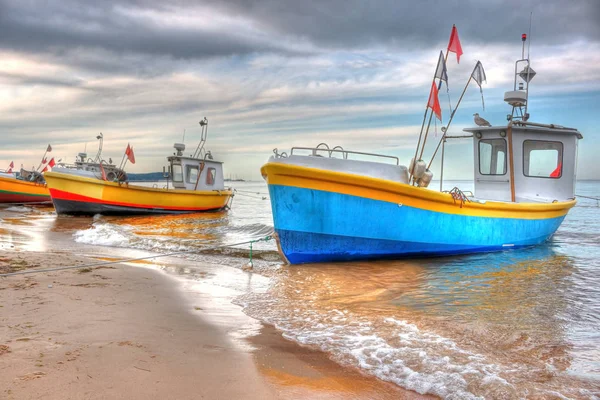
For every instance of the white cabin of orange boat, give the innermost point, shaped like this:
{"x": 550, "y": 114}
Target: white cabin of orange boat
{"x": 190, "y": 173}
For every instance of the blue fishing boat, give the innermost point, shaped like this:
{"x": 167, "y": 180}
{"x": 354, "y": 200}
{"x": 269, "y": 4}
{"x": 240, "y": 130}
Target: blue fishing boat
{"x": 331, "y": 204}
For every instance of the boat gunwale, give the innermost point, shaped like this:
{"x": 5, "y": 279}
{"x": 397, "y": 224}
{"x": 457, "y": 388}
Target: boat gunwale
{"x": 404, "y": 189}
{"x": 93, "y": 181}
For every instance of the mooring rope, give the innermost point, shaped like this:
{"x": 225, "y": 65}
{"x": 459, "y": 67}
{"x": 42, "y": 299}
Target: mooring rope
{"x": 588, "y": 197}
{"x": 99, "y": 264}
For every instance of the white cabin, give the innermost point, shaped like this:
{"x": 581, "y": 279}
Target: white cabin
{"x": 544, "y": 159}
{"x": 190, "y": 173}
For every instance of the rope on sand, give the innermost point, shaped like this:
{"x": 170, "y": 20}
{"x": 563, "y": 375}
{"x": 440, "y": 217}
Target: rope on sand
{"x": 99, "y": 264}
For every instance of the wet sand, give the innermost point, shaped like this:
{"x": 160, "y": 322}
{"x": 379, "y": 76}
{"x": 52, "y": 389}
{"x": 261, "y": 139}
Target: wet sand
{"x": 125, "y": 332}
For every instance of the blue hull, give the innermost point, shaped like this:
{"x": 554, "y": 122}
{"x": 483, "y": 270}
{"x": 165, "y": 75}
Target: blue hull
{"x": 321, "y": 226}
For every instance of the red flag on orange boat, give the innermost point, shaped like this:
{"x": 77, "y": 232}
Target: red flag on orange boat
{"x": 12, "y": 164}
{"x": 51, "y": 163}
{"x": 49, "y": 149}
{"x": 44, "y": 160}
{"x": 454, "y": 44}
{"x": 434, "y": 102}
{"x": 130, "y": 155}
{"x": 45, "y": 169}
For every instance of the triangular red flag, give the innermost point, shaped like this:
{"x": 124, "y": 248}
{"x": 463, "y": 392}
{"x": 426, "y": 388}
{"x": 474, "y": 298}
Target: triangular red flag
{"x": 454, "y": 44}
{"x": 49, "y": 149}
{"x": 45, "y": 169}
{"x": 51, "y": 163}
{"x": 557, "y": 172}
{"x": 434, "y": 102}
{"x": 12, "y": 164}
{"x": 44, "y": 160}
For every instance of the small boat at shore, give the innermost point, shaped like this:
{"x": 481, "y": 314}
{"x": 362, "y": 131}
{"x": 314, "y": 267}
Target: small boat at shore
{"x": 14, "y": 190}
{"x": 197, "y": 185}
{"x": 24, "y": 187}
{"x": 330, "y": 204}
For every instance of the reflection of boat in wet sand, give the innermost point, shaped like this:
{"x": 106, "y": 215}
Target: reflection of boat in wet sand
{"x": 197, "y": 186}
{"x": 327, "y": 208}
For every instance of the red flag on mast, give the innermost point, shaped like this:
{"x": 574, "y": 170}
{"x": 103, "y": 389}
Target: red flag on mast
{"x": 12, "y": 164}
{"x": 51, "y": 163}
{"x": 454, "y": 44}
{"x": 129, "y": 153}
{"x": 48, "y": 149}
{"x": 434, "y": 102}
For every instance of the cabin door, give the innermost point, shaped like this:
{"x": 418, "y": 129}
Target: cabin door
{"x": 492, "y": 178}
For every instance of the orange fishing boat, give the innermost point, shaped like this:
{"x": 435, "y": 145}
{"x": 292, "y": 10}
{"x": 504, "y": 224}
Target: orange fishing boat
{"x": 13, "y": 190}
{"x": 196, "y": 182}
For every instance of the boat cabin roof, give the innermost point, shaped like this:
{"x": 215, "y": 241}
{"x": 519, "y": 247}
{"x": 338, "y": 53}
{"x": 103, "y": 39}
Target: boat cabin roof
{"x": 539, "y": 128}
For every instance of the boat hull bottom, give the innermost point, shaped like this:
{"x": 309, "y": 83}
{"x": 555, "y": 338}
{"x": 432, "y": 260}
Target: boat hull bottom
{"x": 9, "y": 198}
{"x": 71, "y": 207}
{"x": 306, "y": 247}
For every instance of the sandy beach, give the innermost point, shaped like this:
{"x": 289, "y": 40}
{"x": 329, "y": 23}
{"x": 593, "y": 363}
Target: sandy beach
{"x": 127, "y": 332}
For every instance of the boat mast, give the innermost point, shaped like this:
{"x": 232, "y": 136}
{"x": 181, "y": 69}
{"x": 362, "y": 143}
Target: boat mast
{"x": 204, "y": 133}
{"x": 98, "y": 157}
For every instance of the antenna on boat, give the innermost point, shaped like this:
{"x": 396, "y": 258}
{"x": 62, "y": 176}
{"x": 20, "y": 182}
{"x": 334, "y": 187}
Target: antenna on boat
{"x": 183, "y": 139}
{"x": 204, "y": 133}
{"x": 519, "y": 96}
{"x": 98, "y": 158}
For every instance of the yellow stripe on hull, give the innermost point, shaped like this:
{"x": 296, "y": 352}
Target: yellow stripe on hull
{"x": 73, "y": 188}
{"x": 400, "y": 193}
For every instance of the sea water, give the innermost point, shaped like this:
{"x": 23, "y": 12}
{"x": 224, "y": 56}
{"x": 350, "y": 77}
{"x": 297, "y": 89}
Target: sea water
{"x": 514, "y": 324}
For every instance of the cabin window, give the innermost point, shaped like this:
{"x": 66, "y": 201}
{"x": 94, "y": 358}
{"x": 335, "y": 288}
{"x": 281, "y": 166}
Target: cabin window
{"x": 177, "y": 173}
{"x": 210, "y": 176}
{"x": 542, "y": 159}
{"x": 492, "y": 157}
{"x": 191, "y": 171}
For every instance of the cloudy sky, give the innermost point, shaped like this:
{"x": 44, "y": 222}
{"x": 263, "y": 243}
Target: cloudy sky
{"x": 278, "y": 73}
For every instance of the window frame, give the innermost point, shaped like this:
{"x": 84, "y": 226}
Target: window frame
{"x": 505, "y": 169}
{"x": 189, "y": 168}
{"x": 214, "y": 177}
{"x": 173, "y": 165}
{"x": 560, "y": 158}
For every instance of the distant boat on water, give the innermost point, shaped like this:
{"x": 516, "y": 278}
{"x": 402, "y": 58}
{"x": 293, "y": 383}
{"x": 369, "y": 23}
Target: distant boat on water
{"x": 196, "y": 181}
{"x": 332, "y": 204}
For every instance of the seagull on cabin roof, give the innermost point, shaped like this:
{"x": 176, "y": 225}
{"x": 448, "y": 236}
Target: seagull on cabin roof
{"x": 480, "y": 121}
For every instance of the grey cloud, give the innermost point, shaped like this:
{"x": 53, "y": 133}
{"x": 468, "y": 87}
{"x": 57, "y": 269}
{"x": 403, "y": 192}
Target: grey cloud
{"x": 59, "y": 26}
{"x": 56, "y": 26}
{"x": 359, "y": 23}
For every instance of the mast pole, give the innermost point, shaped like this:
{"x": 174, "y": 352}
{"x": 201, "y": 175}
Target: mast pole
{"x": 428, "y": 123}
{"x": 451, "y": 118}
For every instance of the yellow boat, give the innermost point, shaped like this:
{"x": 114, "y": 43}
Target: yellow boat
{"x": 196, "y": 182}
{"x": 13, "y": 190}
{"x": 78, "y": 195}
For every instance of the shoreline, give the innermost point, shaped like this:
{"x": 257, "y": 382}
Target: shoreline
{"x": 127, "y": 331}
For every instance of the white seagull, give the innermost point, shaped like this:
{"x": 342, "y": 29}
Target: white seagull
{"x": 480, "y": 121}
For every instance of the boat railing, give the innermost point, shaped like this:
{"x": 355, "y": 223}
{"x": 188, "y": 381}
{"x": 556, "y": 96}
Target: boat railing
{"x": 339, "y": 150}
